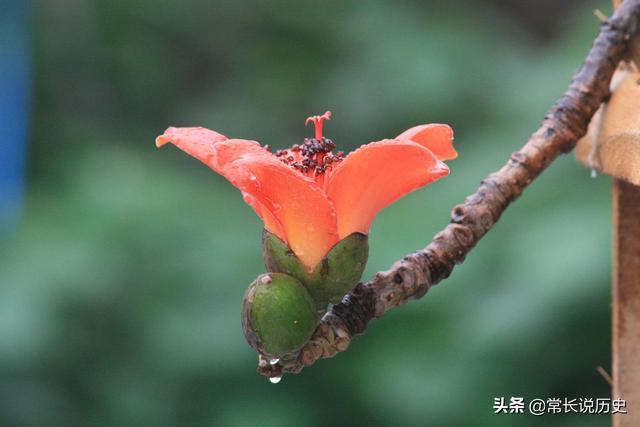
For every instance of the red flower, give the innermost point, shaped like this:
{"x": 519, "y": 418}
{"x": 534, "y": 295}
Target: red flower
{"x": 312, "y": 198}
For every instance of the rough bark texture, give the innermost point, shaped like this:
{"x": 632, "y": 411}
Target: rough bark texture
{"x": 411, "y": 277}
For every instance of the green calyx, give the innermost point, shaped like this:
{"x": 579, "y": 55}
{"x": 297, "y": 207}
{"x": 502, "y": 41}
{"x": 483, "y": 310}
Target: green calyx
{"x": 278, "y": 315}
{"x": 337, "y": 273}
{"x": 281, "y": 308}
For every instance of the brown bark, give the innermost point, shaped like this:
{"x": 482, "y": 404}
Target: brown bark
{"x": 411, "y": 277}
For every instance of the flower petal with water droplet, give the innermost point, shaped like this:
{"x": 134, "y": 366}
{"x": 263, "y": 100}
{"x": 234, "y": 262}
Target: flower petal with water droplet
{"x": 376, "y": 175}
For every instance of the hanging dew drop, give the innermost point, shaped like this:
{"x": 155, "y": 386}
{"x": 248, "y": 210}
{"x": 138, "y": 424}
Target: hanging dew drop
{"x": 275, "y": 380}
{"x": 594, "y": 173}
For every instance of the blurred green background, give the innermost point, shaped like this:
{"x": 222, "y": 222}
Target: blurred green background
{"x": 121, "y": 284}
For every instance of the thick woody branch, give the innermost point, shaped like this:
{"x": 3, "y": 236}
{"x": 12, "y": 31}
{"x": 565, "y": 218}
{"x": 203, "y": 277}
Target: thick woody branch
{"x": 411, "y": 277}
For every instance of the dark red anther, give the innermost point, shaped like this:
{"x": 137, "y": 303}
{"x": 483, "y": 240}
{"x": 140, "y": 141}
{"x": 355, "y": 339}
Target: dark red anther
{"x": 314, "y": 155}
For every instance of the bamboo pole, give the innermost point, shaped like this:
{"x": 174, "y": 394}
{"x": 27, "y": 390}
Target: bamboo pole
{"x": 626, "y": 301}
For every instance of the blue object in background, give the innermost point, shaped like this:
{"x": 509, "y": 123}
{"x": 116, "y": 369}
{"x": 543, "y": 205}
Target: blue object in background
{"x": 15, "y": 21}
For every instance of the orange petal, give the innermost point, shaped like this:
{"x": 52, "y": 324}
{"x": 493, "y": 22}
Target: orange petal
{"x": 271, "y": 223}
{"x": 436, "y": 137}
{"x": 292, "y": 205}
{"x": 376, "y": 175}
{"x": 211, "y": 148}
{"x": 296, "y": 203}
{"x": 216, "y": 151}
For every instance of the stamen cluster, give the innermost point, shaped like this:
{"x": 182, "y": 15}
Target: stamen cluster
{"x": 314, "y": 155}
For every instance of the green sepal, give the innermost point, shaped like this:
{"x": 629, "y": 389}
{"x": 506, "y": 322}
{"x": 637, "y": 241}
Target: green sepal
{"x": 278, "y": 315}
{"x": 337, "y": 273}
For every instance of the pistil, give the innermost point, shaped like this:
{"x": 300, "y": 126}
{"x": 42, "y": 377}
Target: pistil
{"x": 314, "y": 156}
{"x": 317, "y": 121}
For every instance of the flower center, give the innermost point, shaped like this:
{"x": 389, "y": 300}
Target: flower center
{"x": 313, "y": 157}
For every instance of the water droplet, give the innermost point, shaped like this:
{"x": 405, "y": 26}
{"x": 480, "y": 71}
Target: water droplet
{"x": 253, "y": 178}
{"x": 594, "y": 173}
{"x": 273, "y": 361}
{"x": 275, "y": 380}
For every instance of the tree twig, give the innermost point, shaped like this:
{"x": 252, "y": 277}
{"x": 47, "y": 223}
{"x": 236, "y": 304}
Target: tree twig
{"x": 411, "y": 277}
